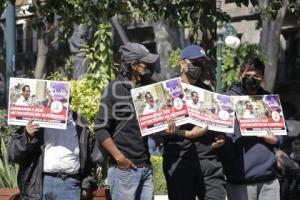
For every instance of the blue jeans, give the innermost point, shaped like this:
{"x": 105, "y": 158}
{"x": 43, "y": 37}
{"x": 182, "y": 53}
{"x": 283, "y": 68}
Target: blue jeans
{"x": 55, "y": 188}
{"x": 134, "y": 184}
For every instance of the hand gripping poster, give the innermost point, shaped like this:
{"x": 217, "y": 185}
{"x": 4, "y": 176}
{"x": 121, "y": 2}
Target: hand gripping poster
{"x": 209, "y": 108}
{"x": 259, "y": 114}
{"x": 42, "y": 101}
{"x": 156, "y": 103}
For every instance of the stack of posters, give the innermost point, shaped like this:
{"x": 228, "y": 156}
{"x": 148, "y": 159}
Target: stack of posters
{"x": 42, "y": 101}
{"x": 156, "y": 103}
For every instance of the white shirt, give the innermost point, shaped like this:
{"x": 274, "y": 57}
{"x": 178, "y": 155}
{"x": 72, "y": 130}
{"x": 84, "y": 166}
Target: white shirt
{"x": 61, "y": 150}
{"x": 23, "y": 102}
{"x": 193, "y": 105}
{"x": 248, "y": 114}
{"x": 150, "y": 109}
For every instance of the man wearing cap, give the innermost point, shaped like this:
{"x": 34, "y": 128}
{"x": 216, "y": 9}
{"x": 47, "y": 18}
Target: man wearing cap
{"x": 116, "y": 126}
{"x": 190, "y": 163}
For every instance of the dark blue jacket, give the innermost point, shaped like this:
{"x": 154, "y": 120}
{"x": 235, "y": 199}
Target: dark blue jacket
{"x": 248, "y": 159}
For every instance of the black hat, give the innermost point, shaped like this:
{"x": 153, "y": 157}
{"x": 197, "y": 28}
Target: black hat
{"x": 132, "y": 52}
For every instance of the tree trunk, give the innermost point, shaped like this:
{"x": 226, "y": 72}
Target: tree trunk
{"x": 42, "y": 52}
{"x": 270, "y": 41}
{"x": 42, "y": 47}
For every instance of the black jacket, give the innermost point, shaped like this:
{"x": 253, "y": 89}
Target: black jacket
{"x": 198, "y": 148}
{"x": 28, "y": 153}
{"x": 117, "y": 107}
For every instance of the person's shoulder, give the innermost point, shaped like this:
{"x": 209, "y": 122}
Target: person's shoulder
{"x": 262, "y": 91}
{"x": 203, "y": 86}
{"x": 234, "y": 90}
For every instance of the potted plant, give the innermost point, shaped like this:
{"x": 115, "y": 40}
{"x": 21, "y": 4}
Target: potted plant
{"x": 8, "y": 172}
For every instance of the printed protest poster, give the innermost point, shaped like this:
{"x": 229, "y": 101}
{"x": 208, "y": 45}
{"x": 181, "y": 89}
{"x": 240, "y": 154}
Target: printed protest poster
{"x": 258, "y": 114}
{"x": 43, "y": 101}
{"x": 156, "y": 103}
{"x": 209, "y": 108}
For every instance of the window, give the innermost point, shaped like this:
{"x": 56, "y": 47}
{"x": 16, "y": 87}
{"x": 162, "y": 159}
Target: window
{"x": 19, "y": 38}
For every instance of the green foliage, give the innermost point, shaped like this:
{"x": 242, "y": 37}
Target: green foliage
{"x": 232, "y": 58}
{"x": 100, "y": 53}
{"x": 6, "y": 131}
{"x": 86, "y": 93}
{"x": 174, "y": 59}
{"x": 271, "y": 7}
{"x": 64, "y": 73}
{"x": 8, "y": 172}
{"x": 160, "y": 186}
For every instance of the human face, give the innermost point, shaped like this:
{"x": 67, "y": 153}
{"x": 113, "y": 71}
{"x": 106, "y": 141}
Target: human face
{"x": 149, "y": 99}
{"x": 138, "y": 70}
{"x": 249, "y": 106}
{"x": 26, "y": 92}
{"x": 195, "y": 98}
{"x": 250, "y": 81}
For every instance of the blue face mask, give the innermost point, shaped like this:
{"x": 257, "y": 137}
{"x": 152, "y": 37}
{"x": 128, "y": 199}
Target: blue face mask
{"x": 195, "y": 72}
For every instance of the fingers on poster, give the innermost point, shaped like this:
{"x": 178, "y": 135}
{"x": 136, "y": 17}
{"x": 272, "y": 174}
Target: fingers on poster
{"x": 43, "y": 101}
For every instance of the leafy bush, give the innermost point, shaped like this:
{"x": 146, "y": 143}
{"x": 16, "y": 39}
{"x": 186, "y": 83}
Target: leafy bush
{"x": 174, "y": 59}
{"x": 86, "y": 93}
{"x": 8, "y": 172}
{"x": 6, "y": 131}
{"x": 232, "y": 58}
{"x": 160, "y": 186}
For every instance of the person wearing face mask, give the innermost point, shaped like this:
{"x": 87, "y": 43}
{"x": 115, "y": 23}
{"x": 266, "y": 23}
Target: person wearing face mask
{"x": 250, "y": 164}
{"x": 117, "y": 130}
{"x": 190, "y": 163}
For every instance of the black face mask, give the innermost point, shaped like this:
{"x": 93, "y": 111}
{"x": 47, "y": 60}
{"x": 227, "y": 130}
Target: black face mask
{"x": 250, "y": 85}
{"x": 146, "y": 77}
{"x": 195, "y": 72}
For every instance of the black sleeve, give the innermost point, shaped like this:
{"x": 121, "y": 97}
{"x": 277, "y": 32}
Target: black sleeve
{"x": 104, "y": 122}
{"x": 21, "y": 147}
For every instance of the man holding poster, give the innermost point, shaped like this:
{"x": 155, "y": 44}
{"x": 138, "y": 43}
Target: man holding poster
{"x": 54, "y": 164}
{"x": 129, "y": 174}
{"x": 189, "y": 157}
{"x": 250, "y": 164}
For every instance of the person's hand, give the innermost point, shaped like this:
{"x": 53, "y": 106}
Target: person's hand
{"x": 86, "y": 194}
{"x": 171, "y": 127}
{"x": 196, "y": 132}
{"x": 270, "y": 138}
{"x": 32, "y": 128}
{"x": 219, "y": 141}
{"x": 125, "y": 164}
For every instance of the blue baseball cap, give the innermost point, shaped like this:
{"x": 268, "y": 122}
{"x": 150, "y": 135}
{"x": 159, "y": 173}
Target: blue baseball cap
{"x": 193, "y": 52}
